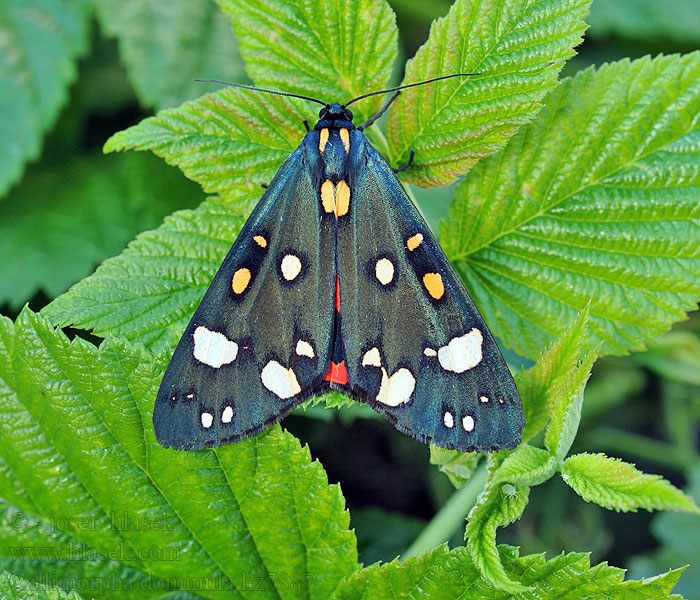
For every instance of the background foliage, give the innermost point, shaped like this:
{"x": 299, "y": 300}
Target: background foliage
{"x": 593, "y": 197}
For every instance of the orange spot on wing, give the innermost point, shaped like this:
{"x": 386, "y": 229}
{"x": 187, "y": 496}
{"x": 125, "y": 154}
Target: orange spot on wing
{"x": 260, "y": 241}
{"x": 433, "y": 283}
{"x": 337, "y": 373}
{"x": 414, "y": 241}
{"x": 240, "y": 281}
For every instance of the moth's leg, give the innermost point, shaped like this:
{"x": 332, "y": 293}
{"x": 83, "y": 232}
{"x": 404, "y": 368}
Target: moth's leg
{"x": 382, "y": 110}
{"x": 409, "y": 162}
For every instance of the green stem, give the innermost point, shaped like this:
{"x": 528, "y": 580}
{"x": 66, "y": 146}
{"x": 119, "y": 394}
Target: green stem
{"x": 451, "y": 517}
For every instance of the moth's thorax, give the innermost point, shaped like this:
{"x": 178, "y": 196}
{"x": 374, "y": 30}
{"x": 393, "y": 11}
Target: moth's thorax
{"x": 334, "y": 148}
{"x": 333, "y": 131}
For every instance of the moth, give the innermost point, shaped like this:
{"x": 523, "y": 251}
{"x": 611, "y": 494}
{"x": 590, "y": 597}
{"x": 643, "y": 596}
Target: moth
{"x": 336, "y": 282}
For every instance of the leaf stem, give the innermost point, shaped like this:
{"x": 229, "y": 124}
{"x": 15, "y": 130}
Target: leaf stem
{"x": 450, "y": 517}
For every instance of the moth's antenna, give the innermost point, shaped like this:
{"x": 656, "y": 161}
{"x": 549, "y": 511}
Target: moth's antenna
{"x": 250, "y": 87}
{"x": 408, "y": 85}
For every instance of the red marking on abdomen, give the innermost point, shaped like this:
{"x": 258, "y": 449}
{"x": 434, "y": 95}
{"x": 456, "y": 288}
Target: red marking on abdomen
{"x": 337, "y": 293}
{"x": 337, "y": 373}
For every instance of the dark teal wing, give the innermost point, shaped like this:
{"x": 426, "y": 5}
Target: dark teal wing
{"x": 260, "y": 339}
{"x": 416, "y": 347}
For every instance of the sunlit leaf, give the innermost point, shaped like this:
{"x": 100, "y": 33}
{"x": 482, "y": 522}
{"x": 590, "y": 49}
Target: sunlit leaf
{"x": 594, "y": 201}
{"x": 615, "y": 484}
{"x": 517, "y": 48}
{"x": 76, "y": 431}
{"x": 333, "y": 51}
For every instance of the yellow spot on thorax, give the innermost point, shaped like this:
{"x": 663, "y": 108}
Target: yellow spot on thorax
{"x": 345, "y": 136}
{"x": 323, "y": 139}
{"x": 414, "y": 241}
{"x": 433, "y": 283}
{"x": 261, "y": 241}
{"x": 240, "y": 281}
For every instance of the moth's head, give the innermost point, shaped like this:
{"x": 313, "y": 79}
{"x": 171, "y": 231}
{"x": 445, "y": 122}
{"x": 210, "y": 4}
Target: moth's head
{"x": 334, "y": 116}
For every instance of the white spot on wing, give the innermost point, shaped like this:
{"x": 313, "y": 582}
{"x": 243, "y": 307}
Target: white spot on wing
{"x": 462, "y": 353}
{"x": 227, "y": 415}
{"x": 280, "y": 381}
{"x": 483, "y": 399}
{"x": 305, "y": 349}
{"x": 371, "y": 358}
{"x": 291, "y": 267}
{"x": 213, "y": 348}
{"x": 429, "y": 352}
{"x": 207, "y": 420}
{"x": 396, "y": 389}
{"x": 448, "y": 420}
{"x": 468, "y": 423}
{"x": 384, "y": 270}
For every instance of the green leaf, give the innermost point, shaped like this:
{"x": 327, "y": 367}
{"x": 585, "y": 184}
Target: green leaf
{"x": 596, "y": 200}
{"x": 75, "y": 429}
{"x": 498, "y": 506}
{"x": 41, "y": 40}
{"x": 566, "y": 410}
{"x": 330, "y": 399}
{"x": 384, "y": 581}
{"x": 526, "y": 465}
{"x": 165, "y": 45}
{"x": 230, "y": 142}
{"x": 333, "y": 51}
{"x": 148, "y": 293}
{"x": 646, "y": 20}
{"x": 614, "y": 484}
{"x": 570, "y": 576}
{"x": 458, "y": 466}
{"x": 63, "y": 220}
{"x": 542, "y": 384}
{"x": 40, "y": 552}
{"x": 12, "y": 586}
{"x": 517, "y": 48}
{"x": 443, "y": 574}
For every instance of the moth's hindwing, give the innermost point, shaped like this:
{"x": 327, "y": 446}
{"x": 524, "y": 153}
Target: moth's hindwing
{"x": 416, "y": 347}
{"x": 260, "y": 340}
